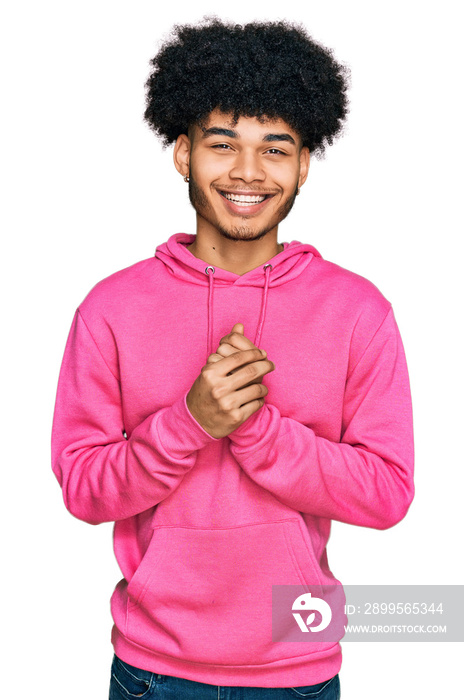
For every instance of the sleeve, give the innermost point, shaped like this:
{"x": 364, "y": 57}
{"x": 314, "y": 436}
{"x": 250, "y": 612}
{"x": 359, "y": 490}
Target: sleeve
{"x": 104, "y": 476}
{"x": 366, "y": 478}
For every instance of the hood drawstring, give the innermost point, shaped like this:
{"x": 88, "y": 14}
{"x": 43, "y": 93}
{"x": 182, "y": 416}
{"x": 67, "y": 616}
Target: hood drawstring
{"x": 267, "y": 272}
{"x": 209, "y": 271}
{"x": 210, "y": 307}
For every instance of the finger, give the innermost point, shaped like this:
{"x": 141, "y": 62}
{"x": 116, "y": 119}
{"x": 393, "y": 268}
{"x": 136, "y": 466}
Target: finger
{"x": 238, "y": 328}
{"x": 250, "y": 393}
{"x": 239, "y": 359}
{"x": 214, "y": 357}
{"x": 249, "y": 408}
{"x": 225, "y": 349}
{"x": 249, "y": 398}
{"x": 250, "y": 374}
{"x": 238, "y": 341}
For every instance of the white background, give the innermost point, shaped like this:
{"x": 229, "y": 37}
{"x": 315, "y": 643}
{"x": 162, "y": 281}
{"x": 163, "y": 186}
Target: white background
{"x": 88, "y": 190}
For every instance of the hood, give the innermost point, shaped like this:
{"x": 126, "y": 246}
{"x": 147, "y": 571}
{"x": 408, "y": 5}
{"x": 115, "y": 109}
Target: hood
{"x": 183, "y": 264}
{"x": 280, "y": 269}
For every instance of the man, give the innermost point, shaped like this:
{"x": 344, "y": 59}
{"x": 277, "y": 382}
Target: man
{"x": 223, "y": 401}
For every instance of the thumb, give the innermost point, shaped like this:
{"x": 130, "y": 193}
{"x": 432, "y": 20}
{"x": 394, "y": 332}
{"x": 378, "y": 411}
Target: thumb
{"x": 238, "y": 328}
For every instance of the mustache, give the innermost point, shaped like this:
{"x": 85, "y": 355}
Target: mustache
{"x": 243, "y": 190}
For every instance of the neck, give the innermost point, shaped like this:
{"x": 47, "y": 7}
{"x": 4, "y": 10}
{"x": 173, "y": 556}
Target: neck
{"x": 238, "y": 257}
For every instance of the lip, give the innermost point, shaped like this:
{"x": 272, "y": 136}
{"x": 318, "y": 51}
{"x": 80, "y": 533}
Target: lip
{"x": 245, "y": 210}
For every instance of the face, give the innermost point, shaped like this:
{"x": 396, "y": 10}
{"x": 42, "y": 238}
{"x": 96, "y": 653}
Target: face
{"x": 244, "y": 176}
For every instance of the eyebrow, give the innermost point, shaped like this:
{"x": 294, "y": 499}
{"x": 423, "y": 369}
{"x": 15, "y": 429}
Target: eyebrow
{"x": 279, "y": 137}
{"x": 269, "y": 138}
{"x": 217, "y": 131}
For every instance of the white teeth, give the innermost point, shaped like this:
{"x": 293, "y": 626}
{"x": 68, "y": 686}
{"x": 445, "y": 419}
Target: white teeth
{"x": 244, "y": 199}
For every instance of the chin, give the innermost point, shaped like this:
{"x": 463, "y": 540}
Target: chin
{"x": 242, "y": 234}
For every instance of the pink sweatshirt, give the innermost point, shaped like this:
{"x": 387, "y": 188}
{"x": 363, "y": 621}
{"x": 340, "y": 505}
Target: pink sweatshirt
{"x": 205, "y": 527}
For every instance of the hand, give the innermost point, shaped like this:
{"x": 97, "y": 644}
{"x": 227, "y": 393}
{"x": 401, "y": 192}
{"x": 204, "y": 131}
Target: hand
{"x": 232, "y": 343}
{"x": 229, "y": 389}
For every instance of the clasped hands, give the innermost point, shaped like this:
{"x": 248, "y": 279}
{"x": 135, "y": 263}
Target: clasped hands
{"x": 228, "y": 389}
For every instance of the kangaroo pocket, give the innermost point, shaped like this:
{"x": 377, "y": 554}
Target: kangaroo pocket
{"x": 205, "y": 595}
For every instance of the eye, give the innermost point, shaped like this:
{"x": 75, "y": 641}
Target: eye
{"x": 221, "y": 146}
{"x": 275, "y": 151}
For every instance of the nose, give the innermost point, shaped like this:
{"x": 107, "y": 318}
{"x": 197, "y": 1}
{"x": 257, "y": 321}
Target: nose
{"x": 247, "y": 167}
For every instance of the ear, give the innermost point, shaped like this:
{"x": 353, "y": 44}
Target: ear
{"x": 182, "y": 154}
{"x": 304, "y": 165}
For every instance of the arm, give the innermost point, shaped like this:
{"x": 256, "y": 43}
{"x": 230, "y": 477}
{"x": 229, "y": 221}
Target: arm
{"x": 366, "y": 478}
{"x": 106, "y": 477}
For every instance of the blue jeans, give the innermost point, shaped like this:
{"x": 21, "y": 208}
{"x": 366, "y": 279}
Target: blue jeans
{"x": 128, "y": 682}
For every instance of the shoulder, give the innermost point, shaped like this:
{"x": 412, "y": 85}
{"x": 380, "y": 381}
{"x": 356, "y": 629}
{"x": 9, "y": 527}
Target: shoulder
{"x": 349, "y": 291}
{"x": 132, "y": 277}
{"x": 356, "y": 308}
{"x": 114, "y": 305}
{"x": 121, "y": 290}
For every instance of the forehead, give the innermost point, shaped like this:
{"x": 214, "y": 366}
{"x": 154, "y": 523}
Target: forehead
{"x": 245, "y": 127}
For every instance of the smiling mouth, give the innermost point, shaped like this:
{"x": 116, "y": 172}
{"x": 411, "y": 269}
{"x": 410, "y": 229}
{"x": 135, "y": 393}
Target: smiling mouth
{"x": 245, "y": 200}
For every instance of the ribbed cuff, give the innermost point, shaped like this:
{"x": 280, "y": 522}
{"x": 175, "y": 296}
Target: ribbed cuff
{"x": 258, "y": 429}
{"x": 179, "y": 432}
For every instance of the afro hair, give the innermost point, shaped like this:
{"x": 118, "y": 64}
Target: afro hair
{"x": 266, "y": 70}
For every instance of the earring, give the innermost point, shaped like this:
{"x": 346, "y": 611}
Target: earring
{"x": 186, "y": 178}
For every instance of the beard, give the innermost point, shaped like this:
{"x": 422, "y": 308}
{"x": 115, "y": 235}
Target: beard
{"x": 202, "y": 206}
